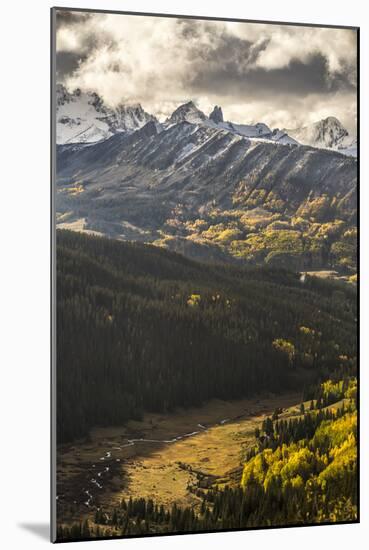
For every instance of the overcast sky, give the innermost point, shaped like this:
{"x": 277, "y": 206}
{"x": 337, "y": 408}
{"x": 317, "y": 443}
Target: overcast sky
{"x": 285, "y": 76}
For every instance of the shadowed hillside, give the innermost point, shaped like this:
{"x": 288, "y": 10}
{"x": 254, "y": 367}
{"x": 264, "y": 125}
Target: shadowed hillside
{"x": 143, "y": 329}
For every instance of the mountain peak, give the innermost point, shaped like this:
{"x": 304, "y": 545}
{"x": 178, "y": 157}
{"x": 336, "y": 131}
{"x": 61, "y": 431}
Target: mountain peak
{"x": 331, "y": 123}
{"x": 130, "y": 117}
{"x": 216, "y": 115}
{"x": 187, "y": 112}
{"x": 328, "y": 133}
{"x": 330, "y": 120}
{"x": 83, "y": 117}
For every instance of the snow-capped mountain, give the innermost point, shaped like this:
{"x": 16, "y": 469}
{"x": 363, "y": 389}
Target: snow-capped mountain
{"x": 188, "y": 112}
{"x": 136, "y": 185}
{"x": 260, "y": 131}
{"x": 82, "y": 117}
{"x": 120, "y": 177}
{"x": 327, "y": 133}
{"x": 256, "y": 131}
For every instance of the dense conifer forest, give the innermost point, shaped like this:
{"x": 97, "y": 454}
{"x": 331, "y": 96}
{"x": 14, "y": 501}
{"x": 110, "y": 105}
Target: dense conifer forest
{"x": 144, "y": 329}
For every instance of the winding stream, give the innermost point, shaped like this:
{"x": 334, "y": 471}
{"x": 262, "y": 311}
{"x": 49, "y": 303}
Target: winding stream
{"x": 96, "y": 480}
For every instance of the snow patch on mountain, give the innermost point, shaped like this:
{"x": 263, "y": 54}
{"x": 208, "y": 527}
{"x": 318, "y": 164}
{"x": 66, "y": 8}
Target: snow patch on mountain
{"x": 348, "y": 146}
{"x": 82, "y": 117}
{"x": 252, "y": 131}
{"x": 188, "y": 112}
{"x": 328, "y": 133}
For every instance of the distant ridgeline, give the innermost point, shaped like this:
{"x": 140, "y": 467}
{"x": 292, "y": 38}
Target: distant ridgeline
{"x": 141, "y": 329}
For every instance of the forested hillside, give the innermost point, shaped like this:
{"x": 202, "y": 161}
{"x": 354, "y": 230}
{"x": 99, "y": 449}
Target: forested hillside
{"x": 143, "y": 329}
{"x": 302, "y": 470}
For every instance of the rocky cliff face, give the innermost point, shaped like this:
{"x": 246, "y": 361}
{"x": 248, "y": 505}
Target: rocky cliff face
{"x": 216, "y": 115}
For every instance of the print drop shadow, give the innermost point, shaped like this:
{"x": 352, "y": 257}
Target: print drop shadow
{"x": 42, "y": 530}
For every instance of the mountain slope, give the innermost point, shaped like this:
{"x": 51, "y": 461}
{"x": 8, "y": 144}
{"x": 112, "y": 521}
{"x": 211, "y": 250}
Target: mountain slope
{"x": 327, "y": 133}
{"x": 82, "y": 117}
{"x": 188, "y": 112}
{"x": 190, "y": 186}
{"x": 129, "y": 313}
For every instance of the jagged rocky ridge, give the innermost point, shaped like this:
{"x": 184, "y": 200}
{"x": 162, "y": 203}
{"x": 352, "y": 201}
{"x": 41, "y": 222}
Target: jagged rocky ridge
{"x": 82, "y": 117}
{"x": 157, "y": 185}
{"x": 188, "y": 112}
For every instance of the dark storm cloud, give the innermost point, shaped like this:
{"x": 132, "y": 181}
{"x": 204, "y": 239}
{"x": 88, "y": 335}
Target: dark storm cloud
{"x": 88, "y": 40}
{"x": 228, "y": 63}
{"x": 275, "y": 73}
{"x": 209, "y": 48}
{"x": 235, "y": 54}
{"x": 232, "y": 74}
{"x": 70, "y": 18}
{"x": 67, "y": 63}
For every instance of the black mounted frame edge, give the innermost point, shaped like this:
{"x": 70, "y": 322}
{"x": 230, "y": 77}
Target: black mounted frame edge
{"x": 53, "y": 518}
{"x": 205, "y": 18}
{"x": 53, "y": 450}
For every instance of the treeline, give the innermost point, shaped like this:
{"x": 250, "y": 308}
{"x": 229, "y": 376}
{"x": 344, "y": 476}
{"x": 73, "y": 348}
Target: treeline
{"x": 135, "y": 517}
{"x": 285, "y": 432}
{"x": 142, "y": 329}
{"x": 276, "y": 432}
{"x": 312, "y": 480}
{"x": 331, "y": 391}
